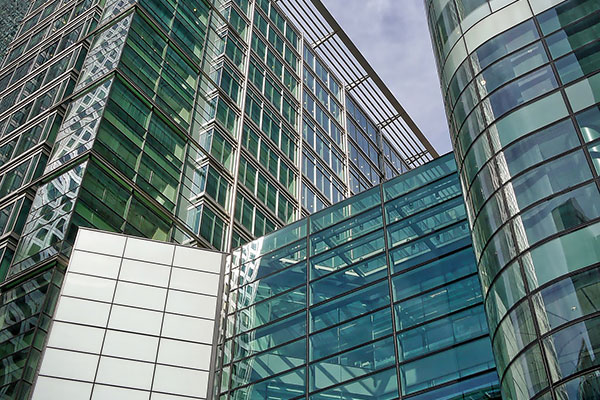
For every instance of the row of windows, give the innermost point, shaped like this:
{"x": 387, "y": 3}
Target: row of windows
{"x": 328, "y": 153}
{"x": 270, "y": 124}
{"x": 327, "y": 79}
{"x": 322, "y": 94}
{"x": 157, "y": 68}
{"x": 315, "y": 172}
{"x": 184, "y": 21}
{"x": 349, "y": 317}
{"x": 50, "y": 29}
{"x": 250, "y": 217}
{"x": 260, "y": 148}
{"x": 278, "y": 20}
{"x": 274, "y": 93}
{"x": 280, "y": 45}
{"x": 38, "y": 133}
{"x": 270, "y": 195}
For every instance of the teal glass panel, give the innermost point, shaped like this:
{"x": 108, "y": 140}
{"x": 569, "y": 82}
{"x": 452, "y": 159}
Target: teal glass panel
{"x": 567, "y": 253}
{"x": 551, "y": 177}
{"x": 561, "y": 213}
{"x": 594, "y": 152}
{"x": 583, "y": 61}
{"x": 350, "y": 278}
{"x": 511, "y": 67}
{"x": 526, "y": 376}
{"x": 345, "y": 209}
{"x": 482, "y": 387}
{"x": 352, "y": 364}
{"x": 346, "y": 231}
{"x": 589, "y": 123}
{"x": 573, "y": 36}
{"x": 269, "y": 363}
{"x": 426, "y": 222}
{"x": 565, "y": 13}
{"x": 505, "y": 43}
{"x": 347, "y": 254}
{"x": 528, "y": 119}
{"x": 584, "y": 93}
{"x": 411, "y": 180}
{"x": 570, "y": 298}
{"x": 380, "y": 386}
{"x": 269, "y": 336}
{"x": 514, "y": 333}
{"x": 437, "y": 303}
{"x": 272, "y": 262}
{"x": 274, "y": 241}
{"x": 350, "y": 306}
{"x": 446, "y": 366}
{"x": 445, "y": 332}
{"x": 504, "y": 293}
{"x": 582, "y": 387}
{"x": 541, "y": 146}
{"x": 429, "y": 247}
{"x": 350, "y": 334}
{"x": 420, "y": 199}
{"x": 573, "y": 349}
{"x": 436, "y": 273}
{"x": 270, "y": 310}
{"x": 272, "y": 285}
{"x": 286, "y": 386}
{"x": 522, "y": 90}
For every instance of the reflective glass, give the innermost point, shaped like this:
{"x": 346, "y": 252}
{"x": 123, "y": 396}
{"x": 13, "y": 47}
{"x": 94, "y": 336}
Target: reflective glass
{"x": 446, "y": 366}
{"x": 550, "y": 178}
{"x": 269, "y": 363}
{"x": 526, "y": 376}
{"x": 438, "y": 302}
{"x": 284, "y": 386}
{"x": 583, "y": 387}
{"x": 540, "y": 146}
{"x": 349, "y": 306}
{"x": 380, "y": 386}
{"x": 269, "y": 336}
{"x": 352, "y": 364}
{"x": 442, "y": 333}
{"x": 570, "y": 298}
{"x": 573, "y": 349}
{"x": 360, "y": 274}
{"x": 434, "y": 274}
{"x": 567, "y": 253}
{"x": 352, "y": 333}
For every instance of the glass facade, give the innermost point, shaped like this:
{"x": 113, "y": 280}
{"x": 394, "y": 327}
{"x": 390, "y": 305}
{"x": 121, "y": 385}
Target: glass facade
{"x": 521, "y": 86}
{"x": 376, "y": 297}
{"x": 207, "y": 123}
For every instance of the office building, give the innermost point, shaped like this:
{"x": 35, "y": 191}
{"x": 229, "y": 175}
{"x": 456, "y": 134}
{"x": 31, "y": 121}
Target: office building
{"x": 314, "y": 310}
{"x": 521, "y": 85}
{"x": 205, "y": 123}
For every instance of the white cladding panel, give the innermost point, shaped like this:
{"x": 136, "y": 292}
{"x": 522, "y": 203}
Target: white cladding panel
{"x": 135, "y": 319}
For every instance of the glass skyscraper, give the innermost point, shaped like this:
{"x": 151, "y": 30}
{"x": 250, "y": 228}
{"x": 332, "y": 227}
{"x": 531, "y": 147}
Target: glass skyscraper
{"x": 207, "y": 123}
{"x": 521, "y": 86}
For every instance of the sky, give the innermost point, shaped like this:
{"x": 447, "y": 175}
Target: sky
{"x": 394, "y": 37}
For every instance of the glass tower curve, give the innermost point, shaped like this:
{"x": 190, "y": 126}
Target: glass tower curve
{"x": 521, "y": 88}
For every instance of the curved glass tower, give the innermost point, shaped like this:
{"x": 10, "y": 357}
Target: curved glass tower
{"x": 521, "y": 85}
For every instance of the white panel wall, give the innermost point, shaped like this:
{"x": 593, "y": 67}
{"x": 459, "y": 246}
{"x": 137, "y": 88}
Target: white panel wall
{"x": 135, "y": 320}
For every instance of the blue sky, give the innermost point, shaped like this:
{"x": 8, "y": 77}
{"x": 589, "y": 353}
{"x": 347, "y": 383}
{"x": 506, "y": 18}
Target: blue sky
{"x": 393, "y": 36}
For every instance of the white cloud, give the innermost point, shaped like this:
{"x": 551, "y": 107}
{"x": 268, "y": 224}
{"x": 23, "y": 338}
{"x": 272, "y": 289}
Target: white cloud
{"x": 393, "y": 36}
